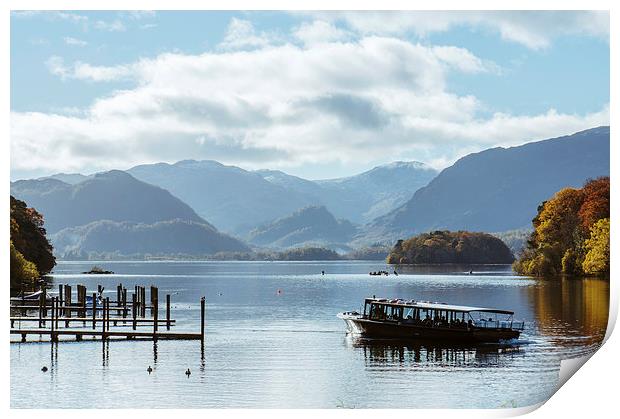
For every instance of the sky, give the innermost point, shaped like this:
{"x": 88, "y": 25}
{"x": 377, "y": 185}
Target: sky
{"x": 315, "y": 94}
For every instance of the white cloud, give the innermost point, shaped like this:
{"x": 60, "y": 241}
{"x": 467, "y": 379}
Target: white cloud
{"x": 74, "y": 41}
{"x": 533, "y": 29}
{"x": 84, "y": 71}
{"x": 113, "y": 26}
{"x": 319, "y": 31}
{"x": 376, "y": 98}
{"x": 241, "y": 34}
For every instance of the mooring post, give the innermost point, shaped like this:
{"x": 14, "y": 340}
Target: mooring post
{"x": 107, "y": 303}
{"x": 154, "y": 309}
{"x": 60, "y": 288}
{"x": 54, "y": 334}
{"x": 103, "y": 319}
{"x": 118, "y": 294}
{"x": 94, "y": 310}
{"x": 143, "y": 301}
{"x": 52, "y": 325}
{"x": 41, "y": 302}
{"x": 44, "y": 304}
{"x": 167, "y": 311}
{"x": 84, "y": 305}
{"x": 67, "y": 302}
{"x": 202, "y": 319}
{"x": 44, "y": 312}
{"x": 124, "y": 295}
{"x": 134, "y": 306}
{"x": 57, "y": 311}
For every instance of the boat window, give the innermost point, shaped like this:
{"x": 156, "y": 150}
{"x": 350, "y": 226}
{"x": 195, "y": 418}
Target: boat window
{"x": 408, "y": 313}
{"x": 377, "y": 311}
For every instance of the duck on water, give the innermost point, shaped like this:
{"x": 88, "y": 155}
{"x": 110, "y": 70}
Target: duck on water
{"x": 400, "y": 319}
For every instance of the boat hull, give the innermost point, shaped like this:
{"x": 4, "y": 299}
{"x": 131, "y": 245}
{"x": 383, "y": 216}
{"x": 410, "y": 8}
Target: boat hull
{"x": 397, "y": 330}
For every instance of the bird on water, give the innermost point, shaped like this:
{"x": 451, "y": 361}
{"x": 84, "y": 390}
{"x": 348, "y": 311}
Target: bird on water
{"x": 188, "y": 373}
{"x": 44, "y": 369}
{"x": 150, "y": 370}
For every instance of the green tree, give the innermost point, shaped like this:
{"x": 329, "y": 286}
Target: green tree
{"x": 597, "y": 246}
{"x": 23, "y": 272}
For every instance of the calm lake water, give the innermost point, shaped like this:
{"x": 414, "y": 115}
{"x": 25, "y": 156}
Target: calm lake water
{"x": 287, "y": 349}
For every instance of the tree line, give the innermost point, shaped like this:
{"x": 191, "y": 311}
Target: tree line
{"x": 571, "y": 233}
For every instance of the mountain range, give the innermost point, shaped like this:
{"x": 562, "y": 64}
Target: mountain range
{"x": 73, "y": 213}
{"x": 236, "y": 200}
{"x": 498, "y": 189}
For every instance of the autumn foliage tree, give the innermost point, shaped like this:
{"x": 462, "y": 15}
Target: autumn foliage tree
{"x": 31, "y": 252}
{"x": 567, "y": 233}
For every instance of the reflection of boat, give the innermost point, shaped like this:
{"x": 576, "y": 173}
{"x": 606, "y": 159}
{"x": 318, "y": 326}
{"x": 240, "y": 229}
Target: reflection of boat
{"x": 383, "y": 318}
{"x": 378, "y": 352}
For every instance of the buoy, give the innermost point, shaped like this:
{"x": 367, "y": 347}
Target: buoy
{"x": 44, "y": 369}
{"x": 150, "y": 370}
{"x": 188, "y": 373}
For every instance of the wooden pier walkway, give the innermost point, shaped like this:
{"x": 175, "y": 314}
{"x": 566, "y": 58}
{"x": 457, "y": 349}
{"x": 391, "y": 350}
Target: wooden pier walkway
{"x": 58, "y": 310}
{"x": 127, "y": 334}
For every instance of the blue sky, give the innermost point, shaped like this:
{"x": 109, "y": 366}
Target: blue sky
{"x": 314, "y": 94}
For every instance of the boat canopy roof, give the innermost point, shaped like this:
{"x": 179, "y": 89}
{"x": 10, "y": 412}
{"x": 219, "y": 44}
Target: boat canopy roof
{"x": 435, "y": 305}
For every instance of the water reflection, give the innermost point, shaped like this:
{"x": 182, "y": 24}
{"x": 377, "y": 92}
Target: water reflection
{"x": 377, "y": 353}
{"x": 567, "y": 308}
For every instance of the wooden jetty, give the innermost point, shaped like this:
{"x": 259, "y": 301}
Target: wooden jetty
{"x": 61, "y": 310}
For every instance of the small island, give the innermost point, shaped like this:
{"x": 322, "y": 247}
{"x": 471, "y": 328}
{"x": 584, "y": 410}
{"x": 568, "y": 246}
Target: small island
{"x": 451, "y": 247}
{"x": 96, "y": 270}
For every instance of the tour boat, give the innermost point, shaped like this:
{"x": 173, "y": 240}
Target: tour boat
{"x": 399, "y": 319}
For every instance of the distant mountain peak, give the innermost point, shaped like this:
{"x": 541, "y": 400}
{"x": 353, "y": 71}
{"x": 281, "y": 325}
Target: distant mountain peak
{"x": 405, "y": 164}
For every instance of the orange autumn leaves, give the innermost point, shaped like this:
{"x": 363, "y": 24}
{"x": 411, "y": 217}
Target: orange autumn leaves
{"x": 571, "y": 233}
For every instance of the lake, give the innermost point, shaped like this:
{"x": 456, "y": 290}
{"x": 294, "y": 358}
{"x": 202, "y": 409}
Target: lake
{"x": 273, "y": 340}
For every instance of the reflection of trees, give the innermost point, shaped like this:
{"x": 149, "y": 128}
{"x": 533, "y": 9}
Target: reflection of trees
{"x": 377, "y": 353}
{"x": 582, "y": 304}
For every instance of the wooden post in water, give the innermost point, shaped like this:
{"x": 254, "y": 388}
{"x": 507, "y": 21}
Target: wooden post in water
{"x": 60, "y": 288}
{"x": 103, "y": 319}
{"x": 67, "y": 302}
{"x": 53, "y": 309}
{"x": 134, "y": 313}
{"x": 143, "y": 301}
{"x": 41, "y": 302}
{"x": 57, "y": 309}
{"x": 119, "y": 287}
{"x": 84, "y": 305}
{"x": 202, "y": 319}
{"x": 44, "y": 305}
{"x": 167, "y": 311}
{"x": 124, "y": 295}
{"x": 107, "y": 313}
{"x": 94, "y": 310}
{"x": 154, "y": 310}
